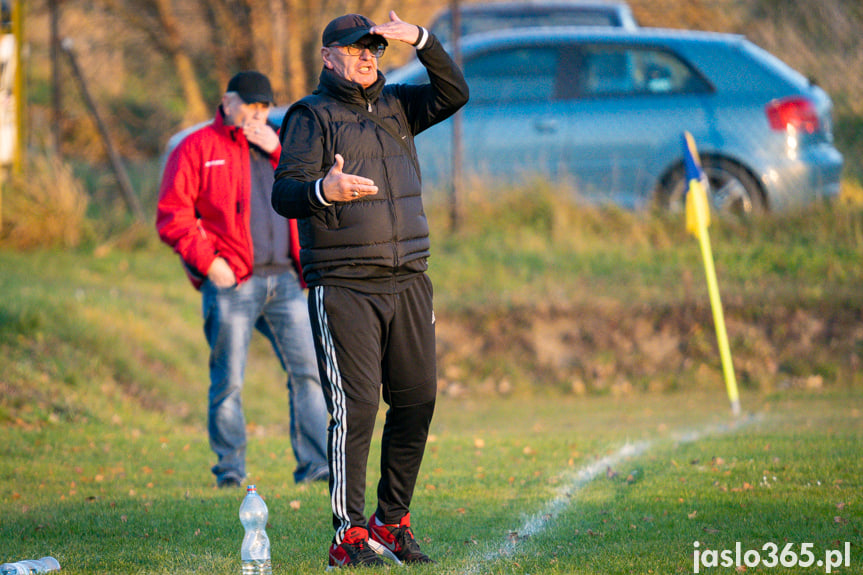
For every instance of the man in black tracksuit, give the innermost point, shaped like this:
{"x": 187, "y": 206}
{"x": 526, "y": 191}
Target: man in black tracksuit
{"x": 349, "y": 174}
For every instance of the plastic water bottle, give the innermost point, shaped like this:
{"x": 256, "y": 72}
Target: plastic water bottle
{"x": 256, "y": 545}
{"x": 30, "y": 566}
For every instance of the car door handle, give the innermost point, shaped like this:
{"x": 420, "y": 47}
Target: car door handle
{"x": 545, "y": 125}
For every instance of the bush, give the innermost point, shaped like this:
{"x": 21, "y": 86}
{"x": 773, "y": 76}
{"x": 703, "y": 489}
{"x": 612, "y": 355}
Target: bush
{"x": 44, "y": 207}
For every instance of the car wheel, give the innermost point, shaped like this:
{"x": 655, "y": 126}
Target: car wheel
{"x": 732, "y": 189}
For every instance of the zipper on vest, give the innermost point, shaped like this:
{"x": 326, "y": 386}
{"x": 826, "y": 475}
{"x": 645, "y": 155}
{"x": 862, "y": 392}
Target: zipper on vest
{"x": 368, "y": 106}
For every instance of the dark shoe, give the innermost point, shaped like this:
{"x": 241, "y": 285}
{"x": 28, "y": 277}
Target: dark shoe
{"x": 229, "y": 482}
{"x": 397, "y": 540}
{"x": 354, "y": 551}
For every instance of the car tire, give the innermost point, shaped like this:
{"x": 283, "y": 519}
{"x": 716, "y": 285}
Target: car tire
{"x": 733, "y": 190}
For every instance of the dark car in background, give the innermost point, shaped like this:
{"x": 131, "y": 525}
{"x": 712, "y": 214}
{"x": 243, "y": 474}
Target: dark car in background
{"x": 604, "y": 109}
{"x": 489, "y": 17}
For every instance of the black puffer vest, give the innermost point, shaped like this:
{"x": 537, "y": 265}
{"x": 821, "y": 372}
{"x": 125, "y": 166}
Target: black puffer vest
{"x": 383, "y": 238}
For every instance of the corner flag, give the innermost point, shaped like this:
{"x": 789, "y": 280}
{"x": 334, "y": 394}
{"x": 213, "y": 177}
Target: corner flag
{"x": 697, "y": 208}
{"x": 697, "y": 221}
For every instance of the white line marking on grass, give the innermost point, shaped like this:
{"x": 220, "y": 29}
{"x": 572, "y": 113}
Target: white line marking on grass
{"x": 573, "y": 482}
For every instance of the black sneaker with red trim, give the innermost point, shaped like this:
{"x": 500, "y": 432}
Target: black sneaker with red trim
{"x": 354, "y": 551}
{"x": 397, "y": 540}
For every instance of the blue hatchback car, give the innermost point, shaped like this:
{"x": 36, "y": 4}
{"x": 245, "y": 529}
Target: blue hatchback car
{"x": 604, "y": 110}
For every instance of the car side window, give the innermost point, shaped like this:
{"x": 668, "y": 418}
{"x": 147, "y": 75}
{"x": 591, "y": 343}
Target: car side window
{"x": 661, "y": 72}
{"x": 611, "y": 71}
{"x": 521, "y": 74}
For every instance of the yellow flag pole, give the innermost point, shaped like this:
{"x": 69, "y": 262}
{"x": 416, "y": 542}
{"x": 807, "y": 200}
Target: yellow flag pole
{"x": 697, "y": 221}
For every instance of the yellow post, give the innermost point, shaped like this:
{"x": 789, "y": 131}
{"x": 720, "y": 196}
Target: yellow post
{"x": 697, "y": 221}
{"x": 20, "y": 107}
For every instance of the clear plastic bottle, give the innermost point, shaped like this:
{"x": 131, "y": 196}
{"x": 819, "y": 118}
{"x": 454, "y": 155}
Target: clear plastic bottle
{"x": 30, "y": 566}
{"x": 255, "y": 551}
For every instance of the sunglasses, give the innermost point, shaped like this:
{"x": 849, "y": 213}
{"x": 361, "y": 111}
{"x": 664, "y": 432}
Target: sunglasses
{"x": 377, "y": 49}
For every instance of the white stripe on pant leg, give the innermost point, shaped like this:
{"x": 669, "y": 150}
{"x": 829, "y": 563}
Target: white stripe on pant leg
{"x": 338, "y": 498}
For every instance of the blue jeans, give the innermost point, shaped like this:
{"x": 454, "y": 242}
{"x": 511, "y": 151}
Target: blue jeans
{"x": 277, "y": 307}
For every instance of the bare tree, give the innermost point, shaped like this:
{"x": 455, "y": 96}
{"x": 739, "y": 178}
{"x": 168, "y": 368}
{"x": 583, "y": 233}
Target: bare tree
{"x": 277, "y": 48}
{"x": 156, "y": 19}
{"x": 219, "y": 49}
{"x": 248, "y": 35}
{"x": 234, "y": 21}
{"x": 296, "y": 69}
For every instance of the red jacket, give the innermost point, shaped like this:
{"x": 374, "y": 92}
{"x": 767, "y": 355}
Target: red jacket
{"x": 204, "y": 202}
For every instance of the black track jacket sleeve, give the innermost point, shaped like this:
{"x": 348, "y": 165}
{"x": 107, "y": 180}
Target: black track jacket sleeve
{"x": 302, "y": 160}
{"x": 301, "y": 167}
{"x": 447, "y": 91}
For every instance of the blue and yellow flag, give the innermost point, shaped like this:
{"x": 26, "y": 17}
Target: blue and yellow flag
{"x": 697, "y": 207}
{"x": 697, "y": 220}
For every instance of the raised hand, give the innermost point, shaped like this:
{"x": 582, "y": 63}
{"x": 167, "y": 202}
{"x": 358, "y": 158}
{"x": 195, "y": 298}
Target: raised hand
{"x": 396, "y": 29}
{"x": 338, "y": 186}
{"x": 262, "y": 136}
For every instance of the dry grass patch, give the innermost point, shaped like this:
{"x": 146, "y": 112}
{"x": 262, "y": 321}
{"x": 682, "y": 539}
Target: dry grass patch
{"x": 44, "y": 207}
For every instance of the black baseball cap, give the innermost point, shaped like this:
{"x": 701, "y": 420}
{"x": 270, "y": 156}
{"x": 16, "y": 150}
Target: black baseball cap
{"x": 252, "y": 87}
{"x": 347, "y": 29}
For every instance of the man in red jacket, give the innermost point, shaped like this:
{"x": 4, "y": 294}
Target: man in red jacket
{"x": 214, "y": 210}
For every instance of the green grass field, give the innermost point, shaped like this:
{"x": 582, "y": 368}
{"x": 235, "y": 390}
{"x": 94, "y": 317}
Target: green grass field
{"x": 105, "y": 464}
{"x": 508, "y": 486}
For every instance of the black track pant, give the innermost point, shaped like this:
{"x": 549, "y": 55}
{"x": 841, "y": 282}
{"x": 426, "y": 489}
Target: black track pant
{"x": 365, "y": 341}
